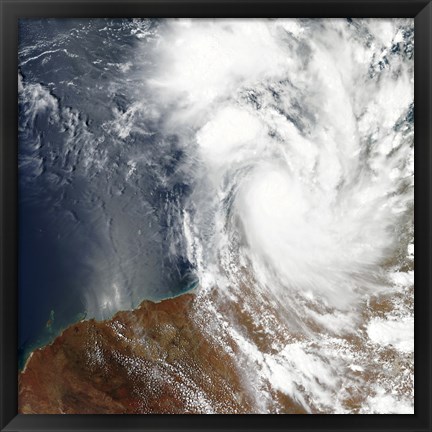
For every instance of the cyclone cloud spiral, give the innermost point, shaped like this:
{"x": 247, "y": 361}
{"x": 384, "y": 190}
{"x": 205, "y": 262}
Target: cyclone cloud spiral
{"x": 265, "y": 165}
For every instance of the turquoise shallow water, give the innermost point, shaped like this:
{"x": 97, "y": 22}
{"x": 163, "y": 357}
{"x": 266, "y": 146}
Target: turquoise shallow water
{"x": 52, "y": 329}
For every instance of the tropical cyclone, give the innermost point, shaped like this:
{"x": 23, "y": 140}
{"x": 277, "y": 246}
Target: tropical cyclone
{"x": 270, "y": 162}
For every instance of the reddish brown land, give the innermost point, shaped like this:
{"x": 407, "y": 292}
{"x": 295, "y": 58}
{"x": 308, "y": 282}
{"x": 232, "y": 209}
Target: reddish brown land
{"x": 150, "y": 360}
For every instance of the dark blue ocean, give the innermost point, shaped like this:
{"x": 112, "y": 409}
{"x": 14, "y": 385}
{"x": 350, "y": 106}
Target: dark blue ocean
{"x": 100, "y": 188}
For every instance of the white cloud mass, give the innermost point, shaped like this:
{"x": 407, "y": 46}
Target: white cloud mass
{"x": 305, "y": 168}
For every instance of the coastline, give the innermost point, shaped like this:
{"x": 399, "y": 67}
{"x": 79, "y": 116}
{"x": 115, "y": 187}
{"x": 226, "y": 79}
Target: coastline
{"x": 24, "y": 358}
{"x": 156, "y": 359}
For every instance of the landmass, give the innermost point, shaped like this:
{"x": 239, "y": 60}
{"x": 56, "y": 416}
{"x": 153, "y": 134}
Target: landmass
{"x": 153, "y": 359}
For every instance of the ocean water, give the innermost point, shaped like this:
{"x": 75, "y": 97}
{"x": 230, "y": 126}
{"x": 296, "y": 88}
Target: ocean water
{"x": 99, "y": 192}
{"x": 268, "y": 163}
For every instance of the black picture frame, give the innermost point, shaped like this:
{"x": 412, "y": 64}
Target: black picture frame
{"x": 12, "y": 10}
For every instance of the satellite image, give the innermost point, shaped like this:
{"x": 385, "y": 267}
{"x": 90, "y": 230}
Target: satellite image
{"x": 216, "y": 216}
